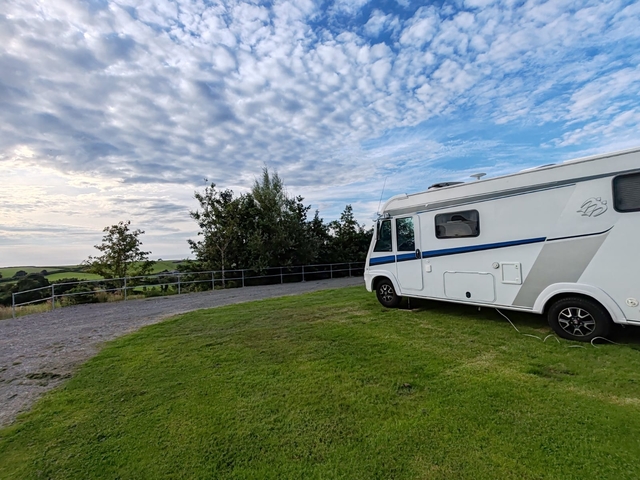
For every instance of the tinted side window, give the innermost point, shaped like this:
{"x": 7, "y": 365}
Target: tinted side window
{"x": 458, "y": 224}
{"x": 404, "y": 235}
{"x": 626, "y": 193}
{"x": 383, "y": 237}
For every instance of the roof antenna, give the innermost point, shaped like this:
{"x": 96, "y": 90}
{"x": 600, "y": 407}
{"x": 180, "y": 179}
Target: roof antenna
{"x": 382, "y": 193}
{"x": 478, "y": 176}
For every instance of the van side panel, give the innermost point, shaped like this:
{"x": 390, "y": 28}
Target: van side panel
{"x": 512, "y": 231}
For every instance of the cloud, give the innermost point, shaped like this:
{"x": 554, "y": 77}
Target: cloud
{"x": 348, "y": 7}
{"x": 379, "y": 22}
{"x": 154, "y": 96}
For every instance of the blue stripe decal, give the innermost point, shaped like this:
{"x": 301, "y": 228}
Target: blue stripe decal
{"x": 406, "y": 256}
{"x": 454, "y": 251}
{"x": 478, "y": 248}
{"x": 381, "y": 260}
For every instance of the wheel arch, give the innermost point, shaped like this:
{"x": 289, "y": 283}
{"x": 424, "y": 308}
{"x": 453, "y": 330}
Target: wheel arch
{"x": 383, "y": 276}
{"x": 558, "y": 291}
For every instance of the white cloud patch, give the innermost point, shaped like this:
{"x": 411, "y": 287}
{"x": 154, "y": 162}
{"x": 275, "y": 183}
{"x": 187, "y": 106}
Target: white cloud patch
{"x": 379, "y": 22}
{"x": 349, "y": 7}
{"x": 151, "y": 97}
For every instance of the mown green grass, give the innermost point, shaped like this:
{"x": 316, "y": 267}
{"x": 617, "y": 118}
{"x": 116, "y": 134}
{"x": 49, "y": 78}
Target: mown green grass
{"x": 331, "y": 385}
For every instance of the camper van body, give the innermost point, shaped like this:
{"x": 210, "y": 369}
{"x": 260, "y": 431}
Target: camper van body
{"x": 527, "y": 241}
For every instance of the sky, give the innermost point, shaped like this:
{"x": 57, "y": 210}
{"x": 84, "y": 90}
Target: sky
{"x": 121, "y": 110}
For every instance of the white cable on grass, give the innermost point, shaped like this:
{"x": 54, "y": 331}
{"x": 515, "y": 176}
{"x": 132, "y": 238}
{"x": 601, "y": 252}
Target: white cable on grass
{"x": 525, "y": 334}
{"x": 602, "y": 338}
{"x": 516, "y": 329}
{"x": 553, "y": 336}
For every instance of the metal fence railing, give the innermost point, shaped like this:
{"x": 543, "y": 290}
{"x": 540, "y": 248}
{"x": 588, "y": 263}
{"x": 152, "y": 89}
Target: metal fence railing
{"x": 169, "y": 283}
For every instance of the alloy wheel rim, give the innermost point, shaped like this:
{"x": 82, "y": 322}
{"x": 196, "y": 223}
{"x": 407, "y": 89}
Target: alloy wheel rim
{"x": 386, "y": 293}
{"x": 576, "y": 321}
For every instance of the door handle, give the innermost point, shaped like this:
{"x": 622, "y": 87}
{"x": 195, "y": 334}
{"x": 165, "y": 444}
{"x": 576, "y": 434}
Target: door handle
{"x": 418, "y": 253}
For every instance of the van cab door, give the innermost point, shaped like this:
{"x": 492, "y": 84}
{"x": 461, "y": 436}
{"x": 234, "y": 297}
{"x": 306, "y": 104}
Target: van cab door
{"x": 408, "y": 254}
{"x": 381, "y": 256}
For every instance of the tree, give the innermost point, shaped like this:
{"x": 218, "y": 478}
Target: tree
{"x": 219, "y": 222}
{"x": 30, "y": 281}
{"x": 268, "y": 228}
{"x": 121, "y": 253}
{"x": 350, "y": 239}
{"x": 260, "y": 229}
{"x": 279, "y": 231}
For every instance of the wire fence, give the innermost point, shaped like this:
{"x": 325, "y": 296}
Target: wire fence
{"x": 172, "y": 283}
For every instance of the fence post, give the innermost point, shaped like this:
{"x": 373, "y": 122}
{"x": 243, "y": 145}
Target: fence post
{"x": 224, "y": 285}
{"x": 331, "y": 270}
{"x": 13, "y": 304}
{"x": 53, "y": 297}
{"x": 213, "y": 280}
{"x": 178, "y": 284}
{"x": 349, "y": 269}
{"x": 281, "y": 277}
{"x": 303, "y": 273}
{"x": 242, "y": 278}
{"x": 125, "y": 289}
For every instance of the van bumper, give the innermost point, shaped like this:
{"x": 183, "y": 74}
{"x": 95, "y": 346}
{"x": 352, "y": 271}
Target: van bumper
{"x": 368, "y": 281}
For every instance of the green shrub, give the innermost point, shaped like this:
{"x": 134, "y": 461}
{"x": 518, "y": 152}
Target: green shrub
{"x": 82, "y": 293}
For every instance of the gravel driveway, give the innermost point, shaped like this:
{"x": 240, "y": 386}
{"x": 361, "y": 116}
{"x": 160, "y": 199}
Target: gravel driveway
{"x": 37, "y": 352}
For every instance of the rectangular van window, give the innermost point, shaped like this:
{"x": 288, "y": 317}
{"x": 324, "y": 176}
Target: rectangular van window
{"x": 404, "y": 235}
{"x": 458, "y": 224}
{"x": 626, "y": 193}
{"x": 383, "y": 237}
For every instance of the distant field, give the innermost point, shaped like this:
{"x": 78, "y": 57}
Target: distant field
{"x": 75, "y": 271}
{"x": 79, "y": 275}
{"x": 8, "y": 272}
{"x": 166, "y": 265}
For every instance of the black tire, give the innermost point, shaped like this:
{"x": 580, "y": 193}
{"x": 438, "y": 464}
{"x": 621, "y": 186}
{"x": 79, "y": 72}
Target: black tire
{"x": 387, "y": 294}
{"x": 579, "y": 319}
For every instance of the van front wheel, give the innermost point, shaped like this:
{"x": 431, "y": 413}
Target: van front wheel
{"x": 579, "y": 319}
{"x": 387, "y": 294}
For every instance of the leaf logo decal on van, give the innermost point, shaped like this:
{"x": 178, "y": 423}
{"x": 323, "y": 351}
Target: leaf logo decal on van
{"x": 593, "y": 207}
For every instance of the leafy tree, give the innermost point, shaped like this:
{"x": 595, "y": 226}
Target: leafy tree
{"x": 121, "y": 253}
{"x": 219, "y": 222}
{"x": 65, "y": 284}
{"x": 29, "y": 282}
{"x": 321, "y": 240}
{"x": 350, "y": 239}
{"x": 268, "y": 228}
{"x": 279, "y": 234}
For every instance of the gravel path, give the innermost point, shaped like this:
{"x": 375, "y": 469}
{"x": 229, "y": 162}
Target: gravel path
{"x": 38, "y": 352}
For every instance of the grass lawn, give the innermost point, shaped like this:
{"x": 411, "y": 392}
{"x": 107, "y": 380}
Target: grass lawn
{"x": 332, "y": 385}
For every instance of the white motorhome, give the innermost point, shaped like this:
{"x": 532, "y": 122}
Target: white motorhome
{"x": 561, "y": 240}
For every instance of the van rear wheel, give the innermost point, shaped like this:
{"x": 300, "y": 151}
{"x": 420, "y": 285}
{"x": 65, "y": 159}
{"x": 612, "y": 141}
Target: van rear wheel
{"x": 579, "y": 319}
{"x": 387, "y": 294}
